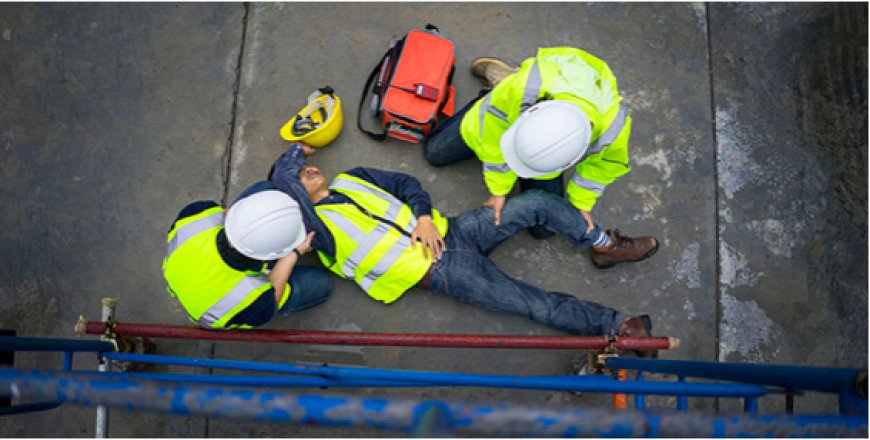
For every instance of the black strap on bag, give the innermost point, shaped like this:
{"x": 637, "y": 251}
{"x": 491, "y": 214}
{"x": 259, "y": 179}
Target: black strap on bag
{"x": 389, "y": 55}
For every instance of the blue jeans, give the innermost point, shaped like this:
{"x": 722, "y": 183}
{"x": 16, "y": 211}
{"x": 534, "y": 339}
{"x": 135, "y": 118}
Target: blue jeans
{"x": 446, "y": 146}
{"x": 309, "y": 286}
{"x": 466, "y": 273}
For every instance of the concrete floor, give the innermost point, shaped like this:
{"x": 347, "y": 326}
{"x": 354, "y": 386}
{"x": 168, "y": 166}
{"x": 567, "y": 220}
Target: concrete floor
{"x": 749, "y": 156}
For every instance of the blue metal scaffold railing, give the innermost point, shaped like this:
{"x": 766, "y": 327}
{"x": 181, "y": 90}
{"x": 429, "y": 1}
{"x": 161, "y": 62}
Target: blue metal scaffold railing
{"x": 244, "y": 396}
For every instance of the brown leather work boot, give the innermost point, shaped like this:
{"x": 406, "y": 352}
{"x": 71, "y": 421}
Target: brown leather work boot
{"x": 639, "y": 326}
{"x": 492, "y": 70}
{"x": 623, "y": 249}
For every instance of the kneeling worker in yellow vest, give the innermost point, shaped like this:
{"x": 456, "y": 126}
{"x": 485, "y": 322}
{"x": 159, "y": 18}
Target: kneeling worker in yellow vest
{"x": 379, "y": 229}
{"x": 559, "y": 109}
{"x": 237, "y": 268}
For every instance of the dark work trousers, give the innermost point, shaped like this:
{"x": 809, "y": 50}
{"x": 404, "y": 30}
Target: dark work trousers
{"x": 466, "y": 273}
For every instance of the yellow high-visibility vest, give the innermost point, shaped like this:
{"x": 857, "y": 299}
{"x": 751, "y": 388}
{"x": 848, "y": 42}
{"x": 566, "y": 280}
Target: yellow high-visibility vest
{"x": 210, "y": 291}
{"x": 562, "y": 73}
{"x": 373, "y": 244}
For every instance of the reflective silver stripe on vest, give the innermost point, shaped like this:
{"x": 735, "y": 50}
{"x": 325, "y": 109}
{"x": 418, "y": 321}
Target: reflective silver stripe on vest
{"x": 496, "y": 167}
{"x": 610, "y": 134}
{"x": 596, "y": 187}
{"x": 533, "y": 87}
{"x": 385, "y": 263}
{"x": 395, "y": 204}
{"x": 497, "y": 113}
{"x": 484, "y": 107}
{"x": 366, "y": 243}
{"x": 189, "y": 230}
{"x": 229, "y": 301}
{"x": 349, "y": 228}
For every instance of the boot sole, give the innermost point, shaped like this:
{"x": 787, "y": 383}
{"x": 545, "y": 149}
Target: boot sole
{"x": 481, "y": 60}
{"x": 478, "y": 61}
{"x": 648, "y": 254}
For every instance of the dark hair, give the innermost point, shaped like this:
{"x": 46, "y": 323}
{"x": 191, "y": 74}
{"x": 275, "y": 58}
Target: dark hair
{"x": 233, "y": 257}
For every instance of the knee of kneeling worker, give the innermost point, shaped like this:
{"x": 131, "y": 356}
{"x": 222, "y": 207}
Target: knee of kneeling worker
{"x": 433, "y": 158}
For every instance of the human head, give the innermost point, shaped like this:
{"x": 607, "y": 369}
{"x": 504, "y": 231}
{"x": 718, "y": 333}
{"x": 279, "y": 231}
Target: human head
{"x": 549, "y": 137}
{"x": 313, "y": 180}
{"x": 266, "y": 225}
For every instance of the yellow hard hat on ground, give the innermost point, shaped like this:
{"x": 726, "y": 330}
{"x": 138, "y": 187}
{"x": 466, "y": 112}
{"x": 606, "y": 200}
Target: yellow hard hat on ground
{"x": 319, "y": 123}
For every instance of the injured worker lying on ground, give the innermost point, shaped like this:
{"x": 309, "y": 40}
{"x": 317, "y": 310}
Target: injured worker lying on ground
{"x": 379, "y": 229}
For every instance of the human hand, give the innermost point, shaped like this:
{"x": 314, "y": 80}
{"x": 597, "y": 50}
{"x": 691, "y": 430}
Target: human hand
{"x": 497, "y": 205}
{"x": 590, "y": 226}
{"x": 306, "y": 150}
{"x": 306, "y": 245}
{"x": 429, "y": 236}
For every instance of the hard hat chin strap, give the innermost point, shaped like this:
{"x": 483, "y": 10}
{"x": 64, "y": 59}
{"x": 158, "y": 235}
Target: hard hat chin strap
{"x": 304, "y": 123}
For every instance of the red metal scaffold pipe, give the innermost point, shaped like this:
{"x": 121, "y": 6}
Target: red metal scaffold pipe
{"x": 383, "y": 339}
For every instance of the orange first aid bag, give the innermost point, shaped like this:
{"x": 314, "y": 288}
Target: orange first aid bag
{"x": 411, "y": 88}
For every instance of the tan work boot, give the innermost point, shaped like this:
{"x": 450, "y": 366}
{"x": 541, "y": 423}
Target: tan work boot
{"x": 623, "y": 249}
{"x": 639, "y": 327}
{"x": 492, "y": 70}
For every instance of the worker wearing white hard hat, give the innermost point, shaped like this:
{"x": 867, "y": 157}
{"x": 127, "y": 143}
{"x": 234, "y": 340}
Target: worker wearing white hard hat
{"x": 237, "y": 268}
{"x": 548, "y": 138}
{"x": 559, "y": 110}
{"x": 265, "y": 226}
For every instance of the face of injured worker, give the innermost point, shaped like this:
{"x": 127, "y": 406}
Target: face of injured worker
{"x": 313, "y": 180}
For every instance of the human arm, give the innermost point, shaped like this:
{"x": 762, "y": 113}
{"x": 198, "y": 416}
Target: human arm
{"x": 404, "y": 187}
{"x": 285, "y": 177}
{"x": 284, "y": 267}
{"x": 592, "y": 175}
{"x": 498, "y": 111}
{"x": 500, "y": 180}
{"x": 263, "y": 309}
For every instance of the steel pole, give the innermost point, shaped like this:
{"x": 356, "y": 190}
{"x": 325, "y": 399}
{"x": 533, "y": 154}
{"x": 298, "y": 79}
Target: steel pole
{"x": 18, "y": 343}
{"x": 353, "y": 376}
{"x": 102, "y": 424}
{"x": 384, "y": 339}
{"x": 831, "y": 380}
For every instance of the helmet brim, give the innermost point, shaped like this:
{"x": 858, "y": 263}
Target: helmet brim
{"x": 509, "y": 152}
{"x": 509, "y": 147}
{"x": 231, "y": 227}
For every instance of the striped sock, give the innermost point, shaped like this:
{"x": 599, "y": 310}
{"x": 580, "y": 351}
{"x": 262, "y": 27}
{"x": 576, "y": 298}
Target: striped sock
{"x": 602, "y": 240}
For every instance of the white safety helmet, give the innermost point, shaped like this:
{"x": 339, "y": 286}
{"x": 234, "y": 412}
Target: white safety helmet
{"x": 548, "y": 137}
{"x": 266, "y": 225}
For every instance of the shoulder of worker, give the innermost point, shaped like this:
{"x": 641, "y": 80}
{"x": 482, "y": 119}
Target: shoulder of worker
{"x": 564, "y": 56}
{"x": 259, "y": 186}
{"x": 192, "y": 209}
{"x": 375, "y": 176}
{"x": 195, "y": 208}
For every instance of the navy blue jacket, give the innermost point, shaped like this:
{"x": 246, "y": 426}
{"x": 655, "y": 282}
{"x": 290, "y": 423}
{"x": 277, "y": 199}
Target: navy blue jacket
{"x": 285, "y": 177}
{"x": 264, "y": 307}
